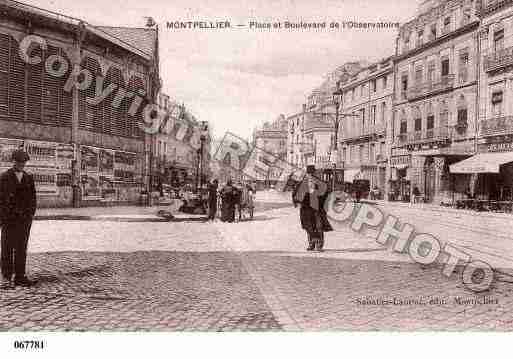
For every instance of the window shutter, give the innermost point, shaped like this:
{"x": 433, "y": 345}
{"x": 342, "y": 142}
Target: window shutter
{"x": 4, "y": 75}
{"x": 17, "y": 79}
{"x": 35, "y": 87}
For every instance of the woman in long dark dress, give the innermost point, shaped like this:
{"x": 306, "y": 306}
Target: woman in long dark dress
{"x": 212, "y": 200}
{"x": 228, "y": 203}
{"x": 314, "y": 219}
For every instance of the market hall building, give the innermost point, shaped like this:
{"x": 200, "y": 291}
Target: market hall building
{"x": 82, "y": 151}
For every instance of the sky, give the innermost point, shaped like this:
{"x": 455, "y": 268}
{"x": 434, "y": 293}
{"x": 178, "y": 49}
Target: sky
{"x": 239, "y": 78}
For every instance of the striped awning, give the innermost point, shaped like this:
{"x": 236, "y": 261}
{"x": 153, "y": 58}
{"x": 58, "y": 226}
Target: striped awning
{"x": 483, "y": 163}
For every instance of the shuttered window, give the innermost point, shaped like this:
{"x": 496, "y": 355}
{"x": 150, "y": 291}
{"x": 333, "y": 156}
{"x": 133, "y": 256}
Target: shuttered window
{"x": 17, "y": 84}
{"x": 34, "y": 86}
{"x": 135, "y": 84}
{"x": 114, "y": 117}
{"x": 91, "y": 116}
{"x": 4, "y": 74}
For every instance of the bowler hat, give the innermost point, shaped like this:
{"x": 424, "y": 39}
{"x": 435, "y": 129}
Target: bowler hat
{"x": 310, "y": 169}
{"x": 20, "y": 156}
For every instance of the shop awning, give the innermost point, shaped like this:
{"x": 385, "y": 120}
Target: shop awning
{"x": 351, "y": 174}
{"x": 483, "y": 163}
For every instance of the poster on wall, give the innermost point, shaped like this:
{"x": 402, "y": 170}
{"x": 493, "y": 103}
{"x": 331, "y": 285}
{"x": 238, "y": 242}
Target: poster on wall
{"x": 65, "y": 157}
{"x": 107, "y": 163}
{"x": 90, "y": 186}
{"x": 42, "y": 154}
{"x": 7, "y": 146}
{"x": 125, "y": 166}
{"x": 42, "y": 164}
{"x": 89, "y": 159}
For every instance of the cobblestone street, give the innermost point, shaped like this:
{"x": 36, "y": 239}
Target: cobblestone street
{"x": 94, "y": 275}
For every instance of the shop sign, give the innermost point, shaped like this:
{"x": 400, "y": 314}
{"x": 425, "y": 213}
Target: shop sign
{"x": 400, "y": 161}
{"x": 500, "y": 147}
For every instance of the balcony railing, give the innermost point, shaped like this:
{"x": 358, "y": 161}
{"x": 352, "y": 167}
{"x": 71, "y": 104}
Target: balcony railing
{"x": 307, "y": 148}
{"x": 496, "y": 126}
{"x": 499, "y": 59}
{"x": 424, "y": 136}
{"x": 381, "y": 158}
{"x": 428, "y": 88}
{"x": 493, "y": 5}
{"x": 368, "y": 131}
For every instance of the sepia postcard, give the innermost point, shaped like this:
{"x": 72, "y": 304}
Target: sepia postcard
{"x": 255, "y": 166}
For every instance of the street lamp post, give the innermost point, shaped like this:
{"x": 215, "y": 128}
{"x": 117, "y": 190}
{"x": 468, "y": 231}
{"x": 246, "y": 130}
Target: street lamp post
{"x": 337, "y": 100}
{"x": 203, "y": 138}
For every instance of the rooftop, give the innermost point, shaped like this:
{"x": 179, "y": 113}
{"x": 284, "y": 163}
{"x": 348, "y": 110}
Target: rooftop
{"x": 140, "y": 41}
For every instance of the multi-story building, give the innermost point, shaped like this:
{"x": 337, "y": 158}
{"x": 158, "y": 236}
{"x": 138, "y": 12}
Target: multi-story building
{"x": 436, "y": 97}
{"x": 310, "y": 139}
{"x": 366, "y": 109}
{"x": 177, "y": 148}
{"x": 311, "y": 133}
{"x": 83, "y": 148}
{"x": 270, "y": 143}
{"x": 490, "y": 171}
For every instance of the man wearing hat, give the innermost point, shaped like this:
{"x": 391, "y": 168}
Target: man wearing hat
{"x": 311, "y": 194}
{"x": 17, "y": 209}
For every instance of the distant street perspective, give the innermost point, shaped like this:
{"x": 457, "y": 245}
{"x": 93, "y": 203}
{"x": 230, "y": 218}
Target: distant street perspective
{"x": 123, "y": 271}
{"x": 285, "y": 166}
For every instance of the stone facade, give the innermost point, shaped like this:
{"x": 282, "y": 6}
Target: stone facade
{"x": 366, "y": 109}
{"x": 436, "y": 96}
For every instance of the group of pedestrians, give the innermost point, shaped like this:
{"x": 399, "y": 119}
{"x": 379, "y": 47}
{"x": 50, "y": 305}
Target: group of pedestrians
{"x": 18, "y": 206}
{"x": 232, "y": 199}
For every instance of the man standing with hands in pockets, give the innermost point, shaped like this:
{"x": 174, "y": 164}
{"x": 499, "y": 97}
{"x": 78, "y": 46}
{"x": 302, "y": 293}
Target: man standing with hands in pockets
{"x": 17, "y": 209}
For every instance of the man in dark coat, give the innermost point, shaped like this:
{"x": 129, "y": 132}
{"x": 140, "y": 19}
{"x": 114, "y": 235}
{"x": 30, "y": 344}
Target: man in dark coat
{"x": 17, "y": 209}
{"x": 212, "y": 200}
{"x": 311, "y": 194}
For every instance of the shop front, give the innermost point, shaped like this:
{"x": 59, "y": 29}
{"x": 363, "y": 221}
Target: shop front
{"x": 491, "y": 171}
{"x": 399, "y": 183}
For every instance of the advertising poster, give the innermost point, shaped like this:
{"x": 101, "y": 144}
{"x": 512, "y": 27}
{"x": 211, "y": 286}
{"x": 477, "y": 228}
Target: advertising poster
{"x": 107, "y": 163}
{"x": 125, "y": 166}
{"x": 43, "y": 155}
{"x": 7, "y": 146}
{"x": 90, "y": 160}
{"x": 90, "y": 186}
{"x": 65, "y": 156}
{"x": 42, "y": 164}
